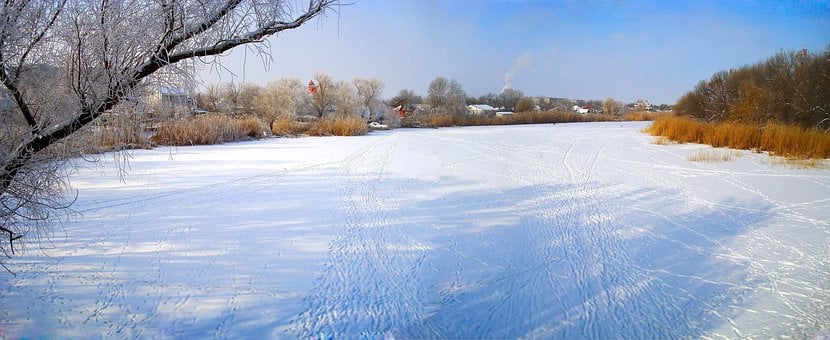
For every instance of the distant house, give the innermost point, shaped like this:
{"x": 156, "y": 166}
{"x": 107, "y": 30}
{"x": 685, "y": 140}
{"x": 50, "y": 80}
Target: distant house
{"x": 504, "y": 113}
{"x": 168, "y": 100}
{"x": 581, "y": 110}
{"x": 174, "y": 96}
{"x": 642, "y": 105}
{"x": 481, "y": 109}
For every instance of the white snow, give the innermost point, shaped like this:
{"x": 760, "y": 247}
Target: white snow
{"x": 553, "y": 231}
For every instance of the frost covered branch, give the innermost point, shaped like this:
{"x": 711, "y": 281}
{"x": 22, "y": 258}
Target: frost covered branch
{"x": 64, "y": 64}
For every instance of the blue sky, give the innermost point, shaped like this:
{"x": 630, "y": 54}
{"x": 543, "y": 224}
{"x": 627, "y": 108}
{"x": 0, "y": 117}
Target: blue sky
{"x": 627, "y": 50}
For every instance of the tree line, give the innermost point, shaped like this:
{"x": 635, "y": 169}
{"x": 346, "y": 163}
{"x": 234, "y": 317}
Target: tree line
{"x": 324, "y": 96}
{"x": 790, "y": 87}
{"x": 290, "y": 97}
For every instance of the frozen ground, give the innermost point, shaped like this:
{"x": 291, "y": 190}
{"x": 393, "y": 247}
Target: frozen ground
{"x": 548, "y": 231}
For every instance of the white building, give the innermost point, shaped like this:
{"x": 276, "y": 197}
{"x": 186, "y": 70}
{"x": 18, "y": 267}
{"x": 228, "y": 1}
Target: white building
{"x": 580, "y": 110}
{"x": 171, "y": 101}
{"x": 481, "y": 109}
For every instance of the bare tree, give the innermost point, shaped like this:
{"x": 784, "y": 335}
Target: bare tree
{"x": 247, "y": 100}
{"x": 211, "y": 98}
{"x": 369, "y": 92}
{"x": 406, "y": 98}
{"x": 437, "y": 94}
{"x": 491, "y": 99}
{"x": 525, "y": 104}
{"x": 446, "y": 96}
{"x": 790, "y": 87}
{"x": 405, "y": 109}
{"x": 323, "y": 94}
{"x": 456, "y": 99}
{"x": 346, "y": 101}
{"x": 510, "y": 97}
{"x": 64, "y": 64}
{"x": 611, "y": 106}
{"x": 281, "y": 99}
{"x": 229, "y": 94}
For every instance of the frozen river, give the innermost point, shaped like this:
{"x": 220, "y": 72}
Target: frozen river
{"x": 552, "y": 231}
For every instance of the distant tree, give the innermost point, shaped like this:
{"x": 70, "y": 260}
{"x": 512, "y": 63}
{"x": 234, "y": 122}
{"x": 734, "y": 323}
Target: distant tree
{"x": 790, "y": 87}
{"x": 525, "y": 104}
{"x": 438, "y": 94}
{"x": 369, "y": 92}
{"x": 593, "y": 104}
{"x": 720, "y": 97}
{"x": 752, "y": 106}
{"x": 248, "y": 96}
{"x": 281, "y": 98}
{"x": 405, "y": 108}
{"x": 324, "y": 95}
{"x": 406, "y": 98}
{"x": 100, "y": 57}
{"x": 346, "y": 100}
{"x": 510, "y": 97}
{"x": 612, "y": 107}
{"x": 446, "y": 97}
{"x": 491, "y": 99}
{"x": 456, "y": 99}
{"x": 211, "y": 98}
{"x": 230, "y": 98}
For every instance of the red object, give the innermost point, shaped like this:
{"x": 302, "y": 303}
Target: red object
{"x": 311, "y": 87}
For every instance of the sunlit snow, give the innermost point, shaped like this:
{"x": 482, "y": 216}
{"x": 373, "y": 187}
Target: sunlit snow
{"x": 554, "y": 231}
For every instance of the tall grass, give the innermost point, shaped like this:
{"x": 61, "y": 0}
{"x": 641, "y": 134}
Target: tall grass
{"x": 208, "y": 129}
{"x": 550, "y": 117}
{"x": 643, "y": 116}
{"x": 779, "y": 139}
{"x": 120, "y": 138}
{"x": 339, "y": 126}
{"x": 544, "y": 117}
{"x": 329, "y": 126}
{"x": 216, "y": 129}
{"x": 289, "y": 127}
{"x": 443, "y": 121}
{"x": 714, "y": 156}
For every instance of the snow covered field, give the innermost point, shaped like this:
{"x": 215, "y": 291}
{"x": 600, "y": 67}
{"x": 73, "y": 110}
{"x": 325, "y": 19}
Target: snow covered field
{"x": 551, "y": 231}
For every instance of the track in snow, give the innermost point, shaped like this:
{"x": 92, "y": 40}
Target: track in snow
{"x": 549, "y": 231}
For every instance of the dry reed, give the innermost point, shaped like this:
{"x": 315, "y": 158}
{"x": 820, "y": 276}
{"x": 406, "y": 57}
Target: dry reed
{"x": 643, "y": 116}
{"x": 208, "y": 129}
{"x": 289, "y": 127}
{"x": 776, "y": 138}
{"x": 339, "y": 126}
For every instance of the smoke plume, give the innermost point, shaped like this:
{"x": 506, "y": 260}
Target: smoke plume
{"x": 522, "y": 61}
